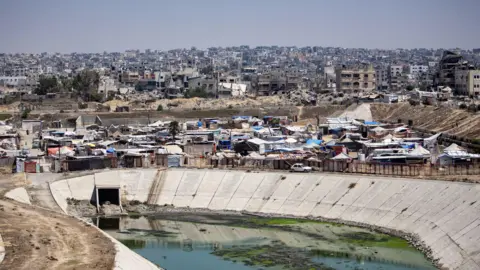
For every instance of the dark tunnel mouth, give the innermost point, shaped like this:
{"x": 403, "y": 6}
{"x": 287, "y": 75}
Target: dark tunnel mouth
{"x": 108, "y": 194}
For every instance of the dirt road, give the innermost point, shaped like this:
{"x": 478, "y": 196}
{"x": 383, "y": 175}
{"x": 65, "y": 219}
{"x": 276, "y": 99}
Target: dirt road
{"x": 35, "y": 238}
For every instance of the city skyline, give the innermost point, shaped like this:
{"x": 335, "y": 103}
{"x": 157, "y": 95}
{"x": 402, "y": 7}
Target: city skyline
{"x": 89, "y": 26}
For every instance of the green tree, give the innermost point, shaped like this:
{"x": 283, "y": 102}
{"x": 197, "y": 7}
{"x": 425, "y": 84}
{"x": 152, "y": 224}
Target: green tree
{"x": 197, "y": 92}
{"x": 46, "y": 84}
{"x": 86, "y": 84}
{"x": 66, "y": 83}
{"x": 410, "y": 87}
{"x": 174, "y": 129}
{"x": 160, "y": 108}
{"x": 25, "y": 113}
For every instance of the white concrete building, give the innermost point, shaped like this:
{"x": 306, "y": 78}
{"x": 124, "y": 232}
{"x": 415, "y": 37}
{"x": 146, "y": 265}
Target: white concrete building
{"x": 395, "y": 76}
{"x": 467, "y": 82}
{"x": 13, "y": 81}
{"x": 396, "y": 70}
{"x": 106, "y": 85}
{"x": 417, "y": 69}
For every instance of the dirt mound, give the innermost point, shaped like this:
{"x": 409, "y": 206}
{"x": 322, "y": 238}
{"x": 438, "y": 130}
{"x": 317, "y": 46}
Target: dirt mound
{"x": 358, "y": 112}
{"x": 438, "y": 119}
{"x": 198, "y": 103}
{"x": 10, "y": 107}
{"x": 40, "y": 239}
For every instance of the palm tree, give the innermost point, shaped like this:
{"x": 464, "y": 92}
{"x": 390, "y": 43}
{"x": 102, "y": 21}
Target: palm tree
{"x": 174, "y": 129}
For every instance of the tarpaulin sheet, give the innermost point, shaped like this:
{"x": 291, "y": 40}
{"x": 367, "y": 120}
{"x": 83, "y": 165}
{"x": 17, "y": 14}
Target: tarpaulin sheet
{"x": 30, "y": 167}
{"x": 174, "y": 160}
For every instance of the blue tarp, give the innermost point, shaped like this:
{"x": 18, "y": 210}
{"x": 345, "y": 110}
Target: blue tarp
{"x": 173, "y": 160}
{"x": 241, "y": 116}
{"x": 371, "y": 123}
{"x": 257, "y": 127}
{"x": 318, "y": 142}
{"x": 284, "y": 150}
{"x": 111, "y": 150}
{"x": 199, "y": 124}
{"x": 408, "y": 146}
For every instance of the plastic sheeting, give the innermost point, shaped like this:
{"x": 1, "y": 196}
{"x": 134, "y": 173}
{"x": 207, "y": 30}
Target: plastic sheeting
{"x": 174, "y": 160}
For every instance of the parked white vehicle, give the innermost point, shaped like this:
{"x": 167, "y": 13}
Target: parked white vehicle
{"x": 299, "y": 167}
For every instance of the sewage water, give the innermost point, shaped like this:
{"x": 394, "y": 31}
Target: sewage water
{"x": 182, "y": 241}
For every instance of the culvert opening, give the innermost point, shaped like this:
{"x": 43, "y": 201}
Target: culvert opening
{"x": 108, "y": 195}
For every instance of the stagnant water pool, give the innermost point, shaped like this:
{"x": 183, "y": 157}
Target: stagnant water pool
{"x": 182, "y": 241}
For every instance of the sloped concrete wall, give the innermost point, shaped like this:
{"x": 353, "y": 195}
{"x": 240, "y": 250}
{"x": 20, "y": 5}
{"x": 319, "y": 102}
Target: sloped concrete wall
{"x": 19, "y": 194}
{"x": 445, "y": 215}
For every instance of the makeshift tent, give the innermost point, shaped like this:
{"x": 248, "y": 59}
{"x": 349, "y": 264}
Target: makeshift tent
{"x": 341, "y": 156}
{"x": 290, "y": 140}
{"x": 318, "y": 142}
{"x": 63, "y": 151}
{"x": 378, "y": 130}
{"x": 420, "y": 151}
{"x": 173, "y": 149}
{"x": 311, "y": 145}
{"x": 453, "y": 147}
{"x": 157, "y": 124}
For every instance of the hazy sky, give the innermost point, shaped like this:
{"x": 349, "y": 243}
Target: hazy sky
{"x": 116, "y": 25}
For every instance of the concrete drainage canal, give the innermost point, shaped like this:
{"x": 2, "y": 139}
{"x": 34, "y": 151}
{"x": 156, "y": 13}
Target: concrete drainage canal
{"x": 184, "y": 241}
{"x": 164, "y": 218}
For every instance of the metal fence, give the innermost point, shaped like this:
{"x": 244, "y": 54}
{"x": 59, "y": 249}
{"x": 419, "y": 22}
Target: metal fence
{"x": 89, "y": 164}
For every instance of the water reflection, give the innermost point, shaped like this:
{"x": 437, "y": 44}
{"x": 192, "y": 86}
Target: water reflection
{"x": 244, "y": 243}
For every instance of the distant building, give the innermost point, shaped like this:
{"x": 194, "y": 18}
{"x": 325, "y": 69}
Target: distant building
{"x": 417, "y": 69}
{"x": 228, "y": 79}
{"x": 396, "y": 79}
{"x": 106, "y": 85}
{"x": 232, "y": 89}
{"x": 355, "y": 79}
{"x": 467, "y": 82}
{"x": 206, "y": 83}
{"x": 13, "y": 81}
{"x": 446, "y": 69}
{"x": 129, "y": 77}
{"x": 274, "y": 83}
{"x": 381, "y": 76}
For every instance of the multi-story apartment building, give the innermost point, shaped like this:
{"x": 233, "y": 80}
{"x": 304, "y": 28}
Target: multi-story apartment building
{"x": 273, "y": 83}
{"x": 381, "y": 76}
{"x": 417, "y": 69}
{"x": 446, "y": 69}
{"x": 355, "y": 79}
{"x": 129, "y": 77}
{"x": 396, "y": 79}
{"x": 467, "y": 82}
{"x": 106, "y": 85}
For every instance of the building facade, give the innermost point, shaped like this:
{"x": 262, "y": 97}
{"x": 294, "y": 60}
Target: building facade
{"x": 355, "y": 79}
{"x": 381, "y": 76}
{"x": 446, "y": 69}
{"x": 106, "y": 85}
{"x": 467, "y": 82}
{"x": 417, "y": 69}
{"x": 396, "y": 79}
